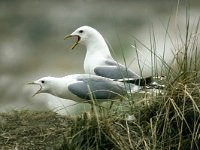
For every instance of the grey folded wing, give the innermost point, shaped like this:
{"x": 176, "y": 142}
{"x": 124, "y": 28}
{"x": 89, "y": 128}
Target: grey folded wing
{"x": 115, "y": 72}
{"x": 96, "y": 88}
{"x": 122, "y": 74}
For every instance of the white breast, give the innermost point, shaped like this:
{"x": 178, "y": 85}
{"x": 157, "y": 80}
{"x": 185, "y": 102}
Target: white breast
{"x": 92, "y": 61}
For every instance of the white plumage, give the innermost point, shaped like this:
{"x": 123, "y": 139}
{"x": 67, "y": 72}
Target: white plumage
{"x": 98, "y": 59}
{"x": 83, "y": 87}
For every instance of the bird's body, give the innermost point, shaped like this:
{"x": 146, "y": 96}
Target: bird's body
{"x": 82, "y": 87}
{"x": 98, "y": 60}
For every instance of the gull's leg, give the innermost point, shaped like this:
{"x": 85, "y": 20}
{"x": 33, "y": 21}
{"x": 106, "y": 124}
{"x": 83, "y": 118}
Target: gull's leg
{"x": 92, "y": 108}
{"x": 111, "y": 104}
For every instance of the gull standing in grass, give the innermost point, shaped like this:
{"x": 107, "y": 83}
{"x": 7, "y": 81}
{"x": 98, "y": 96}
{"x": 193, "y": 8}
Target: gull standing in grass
{"x": 82, "y": 88}
{"x": 99, "y": 61}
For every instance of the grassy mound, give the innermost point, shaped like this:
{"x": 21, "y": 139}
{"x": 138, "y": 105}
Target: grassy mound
{"x": 170, "y": 121}
{"x": 32, "y": 130}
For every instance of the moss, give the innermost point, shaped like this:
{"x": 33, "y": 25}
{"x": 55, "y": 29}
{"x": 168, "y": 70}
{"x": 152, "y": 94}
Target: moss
{"x": 32, "y": 130}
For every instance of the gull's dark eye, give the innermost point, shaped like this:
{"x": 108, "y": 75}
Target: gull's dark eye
{"x": 42, "y": 81}
{"x": 80, "y": 31}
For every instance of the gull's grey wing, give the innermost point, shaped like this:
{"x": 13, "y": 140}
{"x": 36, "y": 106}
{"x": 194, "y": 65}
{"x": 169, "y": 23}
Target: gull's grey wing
{"x": 100, "y": 88}
{"x": 116, "y": 71}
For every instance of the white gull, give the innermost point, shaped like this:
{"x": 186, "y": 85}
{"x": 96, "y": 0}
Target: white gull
{"x": 82, "y": 88}
{"x": 98, "y": 59}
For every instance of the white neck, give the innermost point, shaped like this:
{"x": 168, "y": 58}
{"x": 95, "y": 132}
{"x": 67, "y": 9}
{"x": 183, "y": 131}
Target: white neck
{"x": 98, "y": 45}
{"x": 57, "y": 86}
{"x": 97, "y": 53}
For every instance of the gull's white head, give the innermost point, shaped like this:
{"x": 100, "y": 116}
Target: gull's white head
{"x": 46, "y": 84}
{"x": 86, "y": 35}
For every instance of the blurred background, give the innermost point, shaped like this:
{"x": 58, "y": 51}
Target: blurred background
{"x": 32, "y": 45}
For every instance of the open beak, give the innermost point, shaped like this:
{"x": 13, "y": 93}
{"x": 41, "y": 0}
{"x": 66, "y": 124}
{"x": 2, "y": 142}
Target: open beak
{"x": 38, "y": 90}
{"x": 78, "y": 39}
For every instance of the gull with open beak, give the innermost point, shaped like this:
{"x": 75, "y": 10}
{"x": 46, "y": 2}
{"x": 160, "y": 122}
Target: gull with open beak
{"x": 71, "y": 35}
{"x": 98, "y": 60}
{"x": 36, "y": 83}
{"x": 82, "y": 88}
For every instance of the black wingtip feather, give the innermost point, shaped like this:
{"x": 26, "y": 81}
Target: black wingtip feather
{"x": 141, "y": 81}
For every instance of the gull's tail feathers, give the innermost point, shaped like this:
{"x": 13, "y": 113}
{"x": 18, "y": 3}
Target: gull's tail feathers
{"x": 139, "y": 81}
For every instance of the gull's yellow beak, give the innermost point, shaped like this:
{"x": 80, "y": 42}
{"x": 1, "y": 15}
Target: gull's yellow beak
{"x": 38, "y": 90}
{"x": 31, "y": 83}
{"x": 78, "y": 39}
{"x": 67, "y": 36}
